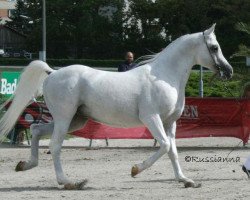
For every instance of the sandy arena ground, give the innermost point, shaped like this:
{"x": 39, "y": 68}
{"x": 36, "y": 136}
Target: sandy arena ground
{"x": 108, "y": 171}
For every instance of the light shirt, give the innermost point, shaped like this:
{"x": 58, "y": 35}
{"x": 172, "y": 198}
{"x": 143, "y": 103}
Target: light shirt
{"x": 247, "y": 163}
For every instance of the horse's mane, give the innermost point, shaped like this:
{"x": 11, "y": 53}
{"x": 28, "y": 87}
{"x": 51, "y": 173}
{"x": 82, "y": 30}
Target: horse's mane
{"x": 147, "y": 59}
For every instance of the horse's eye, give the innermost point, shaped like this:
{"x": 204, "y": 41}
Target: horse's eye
{"x": 214, "y": 48}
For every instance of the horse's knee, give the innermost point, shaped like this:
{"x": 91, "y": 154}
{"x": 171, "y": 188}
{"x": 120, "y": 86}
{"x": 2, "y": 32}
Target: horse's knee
{"x": 53, "y": 148}
{"x": 173, "y": 151}
{"x": 165, "y": 145}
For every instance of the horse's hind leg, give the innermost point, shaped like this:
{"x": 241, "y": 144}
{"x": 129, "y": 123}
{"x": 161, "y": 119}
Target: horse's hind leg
{"x": 37, "y": 131}
{"x": 60, "y": 130}
{"x": 61, "y": 127}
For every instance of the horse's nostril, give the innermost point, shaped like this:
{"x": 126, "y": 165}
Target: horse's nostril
{"x": 229, "y": 74}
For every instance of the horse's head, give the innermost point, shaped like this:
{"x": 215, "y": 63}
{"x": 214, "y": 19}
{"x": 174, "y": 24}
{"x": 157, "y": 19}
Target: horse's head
{"x": 210, "y": 55}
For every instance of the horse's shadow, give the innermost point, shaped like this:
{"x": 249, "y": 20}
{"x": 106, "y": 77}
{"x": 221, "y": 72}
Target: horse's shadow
{"x": 23, "y": 189}
{"x": 196, "y": 180}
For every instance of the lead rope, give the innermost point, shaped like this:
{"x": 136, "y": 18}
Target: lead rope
{"x": 238, "y": 103}
{"x": 231, "y": 94}
{"x": 234, "y": 148}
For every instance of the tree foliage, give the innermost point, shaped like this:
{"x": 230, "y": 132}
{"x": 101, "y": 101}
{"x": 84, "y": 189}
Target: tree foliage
{"x": 243, "y": 49}
{"x": 19, "y": 19}
{"x": 84, "y": 29}
{"x": 75, "y": 28}
{"x": 177, "y": 17}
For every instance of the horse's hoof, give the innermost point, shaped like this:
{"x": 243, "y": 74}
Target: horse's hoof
{"x": 134, "y": 171}
{"x": 75, "y": 186}
{"x": 81, "y": 185}
{"x": 192, "y": 184}
{"x": 70, "y": 186}
{"x": 20, "y": 166}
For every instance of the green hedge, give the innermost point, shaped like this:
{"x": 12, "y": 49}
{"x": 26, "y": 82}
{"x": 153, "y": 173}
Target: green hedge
{"x": 62, "y": 62}
{"x": 214, "y": 87}
{"x": 238, "y": 66}
{"x": 88, "y": 62}
{"x": 14, "y": 62}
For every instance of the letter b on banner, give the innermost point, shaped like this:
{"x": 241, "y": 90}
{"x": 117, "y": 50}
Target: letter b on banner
{"x": 9, "y": 82}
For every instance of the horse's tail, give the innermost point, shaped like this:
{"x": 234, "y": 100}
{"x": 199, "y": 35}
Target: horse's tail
{"x": 29, "y": 87}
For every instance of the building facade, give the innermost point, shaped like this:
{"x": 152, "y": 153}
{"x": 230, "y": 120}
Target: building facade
{"x": 5, "y": 9}
{"x": 11, "y": 41}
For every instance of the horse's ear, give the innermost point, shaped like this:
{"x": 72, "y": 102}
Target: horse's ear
{"x": 210, "y": 30}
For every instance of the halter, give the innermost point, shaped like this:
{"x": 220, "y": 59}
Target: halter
{"x": 217, "y": 66}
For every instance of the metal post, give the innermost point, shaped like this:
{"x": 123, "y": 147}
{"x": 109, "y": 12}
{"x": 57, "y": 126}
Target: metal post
{"x": 44, "y": 32}
{"x": 201, "y": 82}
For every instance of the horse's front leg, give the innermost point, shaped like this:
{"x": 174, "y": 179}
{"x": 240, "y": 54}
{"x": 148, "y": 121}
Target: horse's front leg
{"x": 173, "y": 155}
{"x": 37, "y": 131}
{"x": 154, "y": 124}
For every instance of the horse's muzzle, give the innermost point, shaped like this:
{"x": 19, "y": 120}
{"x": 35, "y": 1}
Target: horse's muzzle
{"x": 225, "y": 71}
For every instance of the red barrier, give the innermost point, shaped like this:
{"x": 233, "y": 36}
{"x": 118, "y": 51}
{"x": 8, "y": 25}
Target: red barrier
{"x": 36, "y": 112}
{"x": 202, "y": 117}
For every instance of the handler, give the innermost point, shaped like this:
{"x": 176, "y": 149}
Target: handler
{"x": 246, "y": 167}
{"x": 128, "y": 64}
{"x": 246, "y": 94}
{"x": 246, "y": 90}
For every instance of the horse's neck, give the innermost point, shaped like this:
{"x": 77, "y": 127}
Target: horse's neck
{"x": 176, "y": 61}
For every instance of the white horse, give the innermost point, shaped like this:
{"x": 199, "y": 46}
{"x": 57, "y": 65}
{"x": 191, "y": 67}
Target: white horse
{"x": 152, "y": 95}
